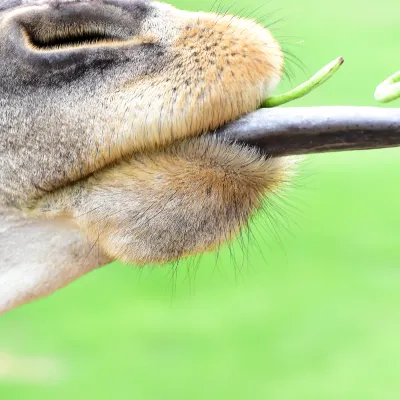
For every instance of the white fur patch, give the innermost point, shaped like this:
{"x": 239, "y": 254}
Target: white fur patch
{"x": 38, "y": 257}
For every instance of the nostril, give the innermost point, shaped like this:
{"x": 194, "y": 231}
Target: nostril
{"x": 68, "y": 36}
{"x": 69, "y": 24}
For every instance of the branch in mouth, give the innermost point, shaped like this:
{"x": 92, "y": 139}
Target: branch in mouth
{"x": 294, "y": 131}
{"x": 304, "y": 130}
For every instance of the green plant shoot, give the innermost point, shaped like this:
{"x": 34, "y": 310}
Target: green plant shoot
{"x": 389, "y": 89}
{"x": 315, "y": 81}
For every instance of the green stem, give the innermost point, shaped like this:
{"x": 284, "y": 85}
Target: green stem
{"x": 317, "y": 80}
{"x": 389, "y": 89}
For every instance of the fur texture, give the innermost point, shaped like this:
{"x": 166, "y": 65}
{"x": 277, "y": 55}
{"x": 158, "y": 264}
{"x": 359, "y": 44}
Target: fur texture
{"x": 103, "y": 110}
{"x": 163, "y": 205}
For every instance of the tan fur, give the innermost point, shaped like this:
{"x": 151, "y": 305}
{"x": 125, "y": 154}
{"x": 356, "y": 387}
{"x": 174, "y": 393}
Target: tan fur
{"x": 119, "y": 151}
{"x": 164, "y": 205}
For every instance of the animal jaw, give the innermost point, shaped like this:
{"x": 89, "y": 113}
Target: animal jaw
{"x": 103, "y": 110}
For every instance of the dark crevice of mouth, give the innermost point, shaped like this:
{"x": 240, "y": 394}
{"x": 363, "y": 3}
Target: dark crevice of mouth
{"x": 67, "y": 37}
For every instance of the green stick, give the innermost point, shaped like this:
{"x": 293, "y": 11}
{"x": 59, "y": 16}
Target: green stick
{"x": 317, "y": 80}
{"x": 389, "y": 89}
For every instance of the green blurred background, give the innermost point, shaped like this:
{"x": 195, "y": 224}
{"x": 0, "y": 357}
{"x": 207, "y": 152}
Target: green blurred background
{"x": 307, "y": 308}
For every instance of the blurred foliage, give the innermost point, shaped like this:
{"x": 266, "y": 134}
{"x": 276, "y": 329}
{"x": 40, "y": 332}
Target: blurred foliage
{"x": 306, "y": 307}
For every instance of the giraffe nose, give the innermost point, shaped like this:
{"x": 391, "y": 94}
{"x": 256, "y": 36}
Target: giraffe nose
{"x": 49, "y": 34}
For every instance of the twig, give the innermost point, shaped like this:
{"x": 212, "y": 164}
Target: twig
{"x": 302, "y": 130}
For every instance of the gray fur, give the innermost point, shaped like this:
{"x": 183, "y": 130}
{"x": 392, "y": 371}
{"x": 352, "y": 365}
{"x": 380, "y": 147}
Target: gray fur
{"x": 96, "y": 163}
{"x": 55, "y": 109}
